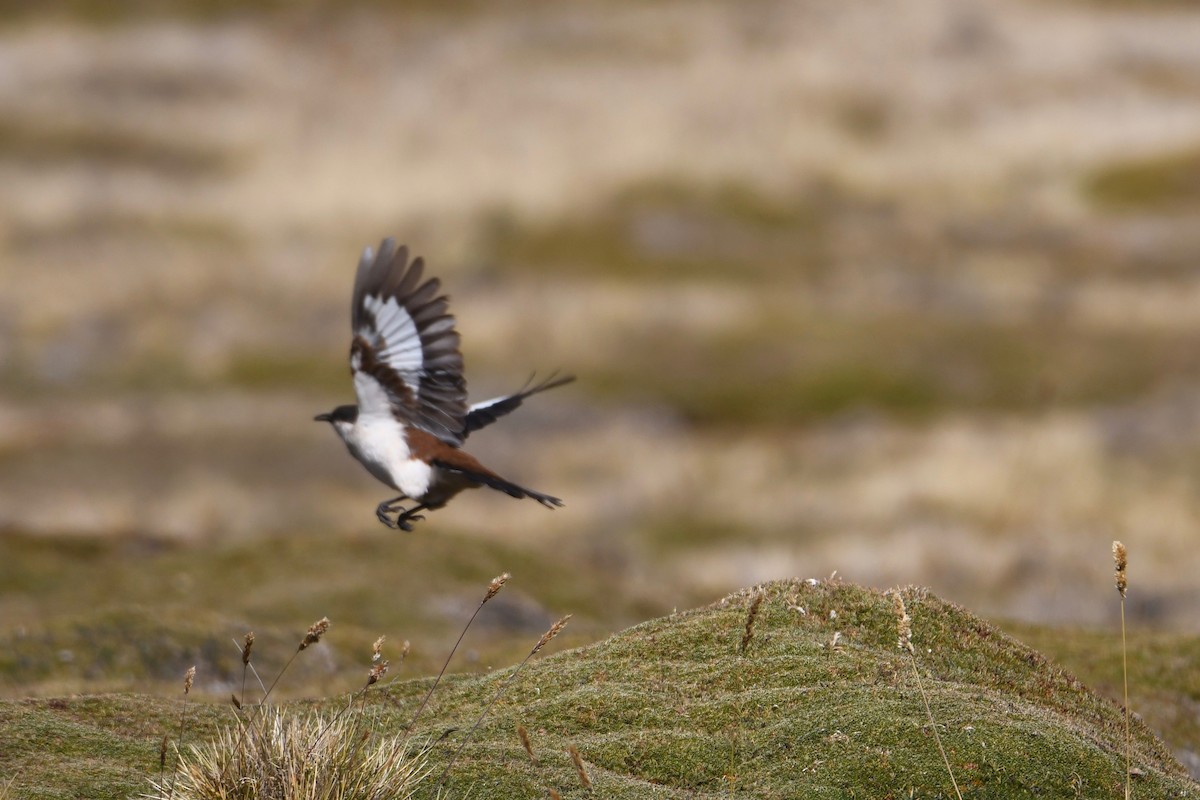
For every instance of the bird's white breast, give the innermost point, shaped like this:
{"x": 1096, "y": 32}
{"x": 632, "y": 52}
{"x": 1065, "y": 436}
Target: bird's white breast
{"x": 378, "y": 442}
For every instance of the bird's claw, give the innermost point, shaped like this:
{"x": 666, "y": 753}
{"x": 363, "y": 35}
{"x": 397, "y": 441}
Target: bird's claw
{"x": 404, "y": 521}
{"x": 383, "y": 510}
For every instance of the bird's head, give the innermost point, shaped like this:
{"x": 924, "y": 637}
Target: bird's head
{"x": 341, "y": 418}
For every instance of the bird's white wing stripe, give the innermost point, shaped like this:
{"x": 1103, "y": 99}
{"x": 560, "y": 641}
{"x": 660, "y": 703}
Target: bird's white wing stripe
{"x": 392, "y": 319}
{"x": 400, "y": 331}
{"x": 396, "y": 327}
{"x": 486, "y": 403}
{"x": 373, "y": 399}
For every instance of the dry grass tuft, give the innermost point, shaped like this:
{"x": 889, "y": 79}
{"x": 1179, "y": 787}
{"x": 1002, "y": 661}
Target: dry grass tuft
{"x": 289, "y": 757}
{"x": 268, "y": 754}
{"x": 271, "y": 755}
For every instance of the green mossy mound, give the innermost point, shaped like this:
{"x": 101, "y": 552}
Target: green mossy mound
{"x": 818, "y": 701}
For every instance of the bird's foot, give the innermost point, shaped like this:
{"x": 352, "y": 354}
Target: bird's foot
{"x": 384, "y": 511}
{"x": 404, "y": 518}
{"x": 404, "y": 521}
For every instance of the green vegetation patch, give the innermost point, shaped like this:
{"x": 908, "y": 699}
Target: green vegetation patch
{"x": 674, "y": 230}
{"x": 98, "y": 747}
{"x": 108, "y": 224}
{"x": 689, "y": 533}
{"x": 803, "y": 693}
{"x": 161, "y": 608}
{"x": 1161, "y": 183}
{"x": 40, "y": 143}
{"x": 260, "y": 370}
{"x": 819, "y": 702}
{"x": 781, "y": 371}
{"x": 927, "y": 342}
{"x": 1164, "y": 674}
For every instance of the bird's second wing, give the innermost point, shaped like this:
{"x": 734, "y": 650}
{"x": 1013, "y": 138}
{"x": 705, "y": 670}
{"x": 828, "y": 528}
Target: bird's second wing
{"x": 480, "y": 415}
{"x": 405, "y": 355}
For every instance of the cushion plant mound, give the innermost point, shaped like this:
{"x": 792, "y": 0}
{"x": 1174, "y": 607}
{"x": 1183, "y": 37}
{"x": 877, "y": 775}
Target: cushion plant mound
{"x": 814, "y": 699}
{"x": 788, "y": 690}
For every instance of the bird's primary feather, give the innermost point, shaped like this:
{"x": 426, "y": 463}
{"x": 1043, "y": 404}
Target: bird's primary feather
{"x": 405, "y": 355}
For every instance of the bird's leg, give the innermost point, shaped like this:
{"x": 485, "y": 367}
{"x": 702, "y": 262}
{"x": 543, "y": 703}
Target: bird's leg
{"x": 406, "y": 519}
{"x": 388, "y": 507}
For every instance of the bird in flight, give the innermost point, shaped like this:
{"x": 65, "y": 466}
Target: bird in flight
{"x": 412, "y": 416}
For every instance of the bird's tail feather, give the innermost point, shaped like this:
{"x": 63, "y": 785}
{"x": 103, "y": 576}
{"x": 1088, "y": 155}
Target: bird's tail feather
{"x": 511, "y": 489}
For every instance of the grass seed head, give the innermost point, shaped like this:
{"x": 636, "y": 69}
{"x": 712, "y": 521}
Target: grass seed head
{"x": 551, "y": 633}
{"x": 378, "y": 671}
{"x": 579, "y": 768}
{"x": 1120, "y": 558}
{"x": 751, "y": 615}
{"x": 377, "y": 650}
{"x": 248, "y": 644}
{"x": 188, "y": 678}
{"x": 523, "y": 735}
{"x": 315, "y": 632}
{"x": 903, "y": 622}
{"x": 496, "y": 585}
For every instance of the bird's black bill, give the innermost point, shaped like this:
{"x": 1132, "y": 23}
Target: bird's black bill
{"x": 323, "y": 418}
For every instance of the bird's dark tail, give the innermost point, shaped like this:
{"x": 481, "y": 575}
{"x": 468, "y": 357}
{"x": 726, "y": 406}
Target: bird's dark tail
{"x": 494, "y": 481}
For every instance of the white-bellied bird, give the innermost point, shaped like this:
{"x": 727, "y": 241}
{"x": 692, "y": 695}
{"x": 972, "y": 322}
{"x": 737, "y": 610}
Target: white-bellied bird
{"x": 412, "y": 416}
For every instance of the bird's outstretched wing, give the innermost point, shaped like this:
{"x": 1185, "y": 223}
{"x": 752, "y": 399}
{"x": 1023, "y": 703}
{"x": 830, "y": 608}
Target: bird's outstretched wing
{"x": 405, "y": 356}
{"x": 482, "y": 414}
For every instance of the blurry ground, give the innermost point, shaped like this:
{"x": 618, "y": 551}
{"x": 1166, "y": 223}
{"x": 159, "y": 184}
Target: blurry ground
{"x": 908, "y": 290}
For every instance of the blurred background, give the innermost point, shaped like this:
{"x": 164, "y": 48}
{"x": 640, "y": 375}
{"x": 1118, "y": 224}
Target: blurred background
{"x": 905, "y": 289}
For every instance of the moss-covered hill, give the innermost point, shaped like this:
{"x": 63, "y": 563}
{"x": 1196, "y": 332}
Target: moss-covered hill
{"x": 819, "y": 702}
